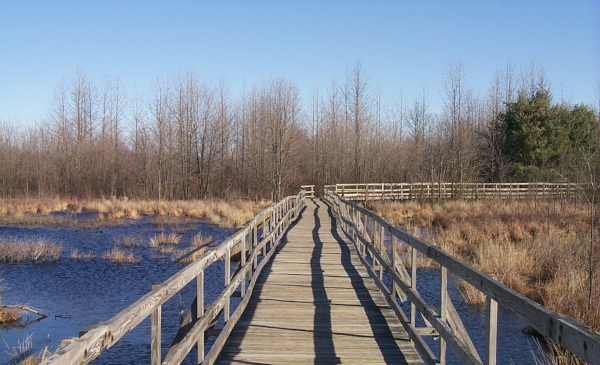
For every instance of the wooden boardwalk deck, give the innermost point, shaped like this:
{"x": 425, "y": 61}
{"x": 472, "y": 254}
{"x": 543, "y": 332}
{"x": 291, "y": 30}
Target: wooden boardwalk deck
{"x": 315, "y": 303}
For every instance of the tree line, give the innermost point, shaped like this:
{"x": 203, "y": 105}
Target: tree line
{"x": 186, "y": 138}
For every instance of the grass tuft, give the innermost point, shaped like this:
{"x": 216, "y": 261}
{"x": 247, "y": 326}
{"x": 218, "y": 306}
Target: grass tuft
{"x": 164, "y": 239}
{"x": 13, "y": 250}
{"x": 121, "y": 256}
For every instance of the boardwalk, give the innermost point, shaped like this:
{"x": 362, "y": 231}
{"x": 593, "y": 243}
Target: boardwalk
{"x": 316, "y": 304}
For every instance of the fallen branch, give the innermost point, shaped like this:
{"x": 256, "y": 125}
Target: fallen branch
{"x": 23, "y": 308}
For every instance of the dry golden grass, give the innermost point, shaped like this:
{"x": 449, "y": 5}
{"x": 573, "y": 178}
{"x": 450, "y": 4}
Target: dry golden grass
{"x": 14, "y": 250}
{"x": 200, "y": 240}
{"x": 232, "y": 213}
{"x": 24, "y": 355}
{"x": 538, "y": 249}
{"x": 9, "y": 316}
{"x": 119, "y": 255}
{"x": 164, "y": 239}
{"x": 80, "y": 255}
{"x": 129, "y": 241}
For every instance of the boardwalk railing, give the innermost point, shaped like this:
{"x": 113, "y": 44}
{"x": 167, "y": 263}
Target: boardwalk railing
{"x": 442, "y": 190}
{"x": 369, "y": 231}
{"x": 255, "y": 251}
{"x": 309, "y": 190}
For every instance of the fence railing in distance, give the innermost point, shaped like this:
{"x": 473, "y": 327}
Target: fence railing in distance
{"x": 254, "y": 249}
{"x": 443, "y": 191}
{"x": 309, "y": 190}
{"x": 369, "y": 232}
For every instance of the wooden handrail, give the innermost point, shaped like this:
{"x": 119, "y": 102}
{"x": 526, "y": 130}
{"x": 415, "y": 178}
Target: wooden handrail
{"x": 104, "y": 335}
{"x": 367, "y": 231}
{"x": 444, "y": 190}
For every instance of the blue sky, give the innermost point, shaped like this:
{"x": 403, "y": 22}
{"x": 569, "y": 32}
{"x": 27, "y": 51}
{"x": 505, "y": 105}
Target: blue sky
{"x": 401, "y": 45}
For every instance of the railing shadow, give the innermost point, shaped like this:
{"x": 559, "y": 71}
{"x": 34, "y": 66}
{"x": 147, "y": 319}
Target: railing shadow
{"x": 379, "y": 325}
{"x": 323, "y": 334}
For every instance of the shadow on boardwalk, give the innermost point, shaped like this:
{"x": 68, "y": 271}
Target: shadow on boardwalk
{"x": 313, "y": 304}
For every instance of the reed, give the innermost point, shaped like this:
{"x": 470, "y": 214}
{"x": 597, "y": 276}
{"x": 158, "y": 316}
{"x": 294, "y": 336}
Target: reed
{"x": 121, "y": 256}
{"x": 129, "y": 241}
{"x": 23, "y": 354}
{"x": 164, "y": 239}
{"x": 14, "y": 250}
{"x": 200, "y": 240}
{"x": 80, "y": 255}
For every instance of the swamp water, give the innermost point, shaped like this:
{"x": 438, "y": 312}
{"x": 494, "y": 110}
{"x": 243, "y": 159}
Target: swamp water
{"x": 76, "y": 294}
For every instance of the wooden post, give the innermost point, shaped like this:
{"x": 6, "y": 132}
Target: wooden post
{"x": 254, "y": 243}
{"x": 155, "y": 328}
{"x": 200, "y": 312}
{"x": 227, "y": 280}
{"x": 394, "y": 241}
{"x": 243, "y": 258}
{"x": 413, "y": 285}
{"x": 492, "y": 331}
{"x": 443, "y": 299}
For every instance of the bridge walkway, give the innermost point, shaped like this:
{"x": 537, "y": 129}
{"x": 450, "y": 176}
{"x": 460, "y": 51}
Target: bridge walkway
{"x": 315, "y": 303}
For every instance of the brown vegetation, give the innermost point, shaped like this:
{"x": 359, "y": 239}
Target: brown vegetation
{"x": 13, "y": 250}
{"x": 539, "y": 249}
{"x": 24, "y": 355}
{"x": 119, "y": 255}
{"x": 164, "y": 239}
{"x": 224, "y": 213}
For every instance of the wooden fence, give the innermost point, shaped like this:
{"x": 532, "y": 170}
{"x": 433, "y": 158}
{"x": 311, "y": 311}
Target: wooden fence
{"x": 369, "y": 231}
{"x": 255, "y": 251}
{"x": 309, "y": 190}
{"x": 442, "y": 191}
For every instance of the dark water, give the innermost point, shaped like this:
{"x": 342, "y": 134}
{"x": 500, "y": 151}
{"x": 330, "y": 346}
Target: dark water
{"x": 78, "y": 293}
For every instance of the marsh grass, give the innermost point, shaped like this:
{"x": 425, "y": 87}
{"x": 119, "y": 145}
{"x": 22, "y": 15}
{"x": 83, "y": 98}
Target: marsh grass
{"x": 23, "y": 354}
{"x": 200, "y": 240}
{"x": 540, "y": 249}
{"x": 232, "y": 213}
{"x": 129, "y": 241}
{"x": 164, "y": 239}
{"x": 14, "y": 250}
{"x": 119, "y": 255}
{"x": 80, "y": 255}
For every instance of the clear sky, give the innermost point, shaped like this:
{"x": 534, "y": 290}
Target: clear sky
{"x": 401, "y": 45}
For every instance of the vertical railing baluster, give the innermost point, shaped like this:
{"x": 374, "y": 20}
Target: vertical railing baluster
{"x": 413, "y": 285}
{"x": 243, "y": 258}
{"x": 394, "y": 242}
{"x": 227, "y": 281}
{"x": 200, "y": 312}
{"x": 492, "y": 330}
{"x": 443, "y": 311}
{"x": 155, "y": 334}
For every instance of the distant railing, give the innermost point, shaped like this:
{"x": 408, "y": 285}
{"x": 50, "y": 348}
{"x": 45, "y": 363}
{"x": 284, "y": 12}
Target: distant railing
{"x": 309, "y": 190}
{"x": 443, "y": 191}
{"x": 369, "y": 231}
{"x": 254, "y": 250}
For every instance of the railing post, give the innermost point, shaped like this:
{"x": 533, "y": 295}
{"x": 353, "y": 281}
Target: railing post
{"x": 413, "y": 285}
{"x": 443, "y": 311}
{"x": 155, "y": 328}
{"x": 492, "y": 331}
{"x": 227, "y": 280}
{"x": 243, "y": 260}
{"x": 394, "y": 241}
{"x": 200, "y": 312}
